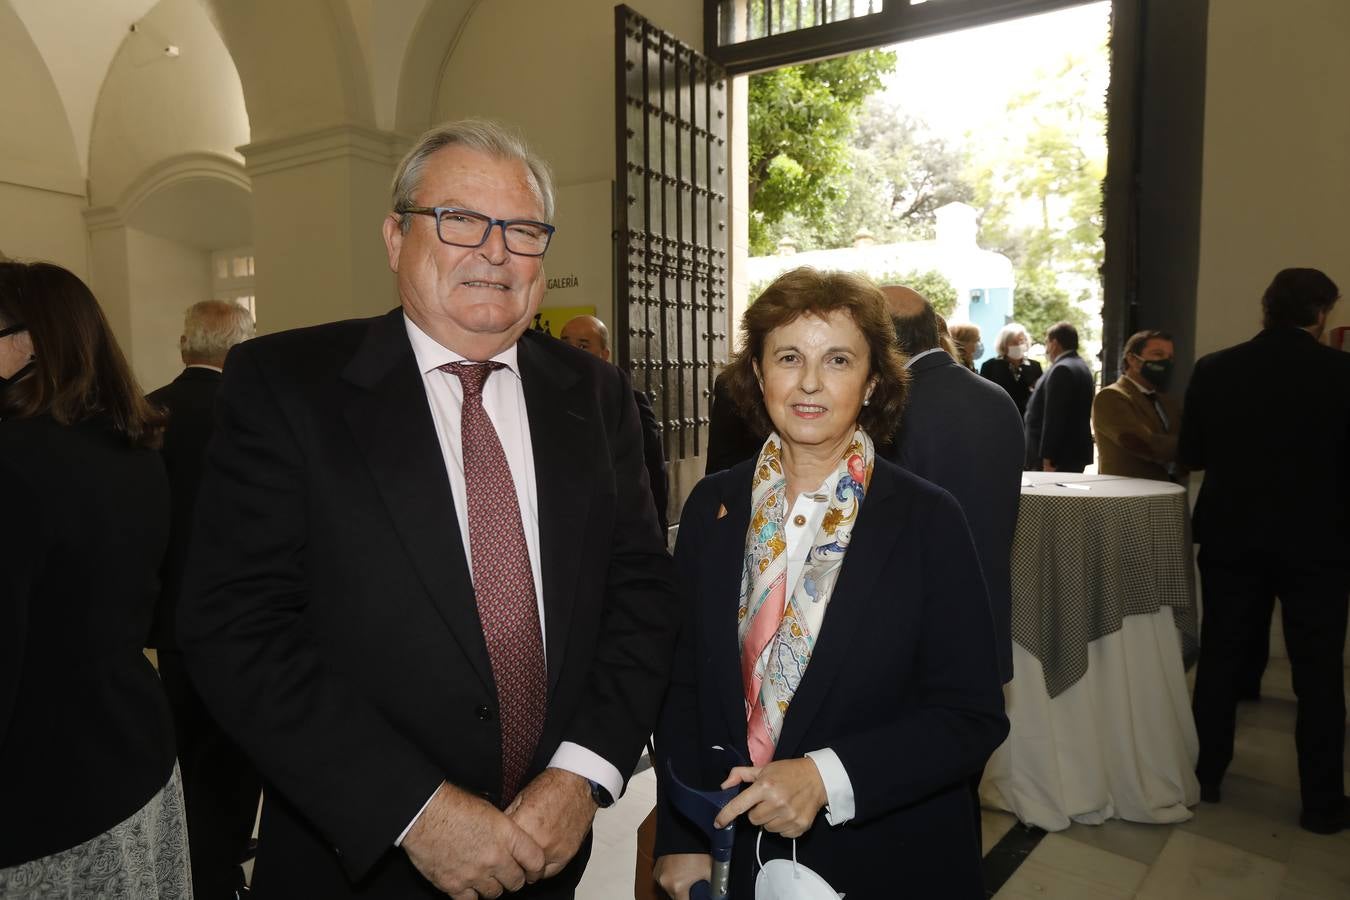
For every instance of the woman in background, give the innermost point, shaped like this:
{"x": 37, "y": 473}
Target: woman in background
{"x": 1010, "y": 369}
{"x": 90, "y": 793}
{"x": 968, "y": 345}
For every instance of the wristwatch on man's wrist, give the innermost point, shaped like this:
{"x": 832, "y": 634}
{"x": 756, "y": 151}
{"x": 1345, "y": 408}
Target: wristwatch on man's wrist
{"x": 600, "y": 795}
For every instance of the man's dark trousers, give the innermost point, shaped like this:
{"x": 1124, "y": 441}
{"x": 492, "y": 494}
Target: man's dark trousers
{"x": 1238, "y": 587}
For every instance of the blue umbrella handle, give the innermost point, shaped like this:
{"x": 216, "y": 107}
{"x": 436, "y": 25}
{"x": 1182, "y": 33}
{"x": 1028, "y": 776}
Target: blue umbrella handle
{"x": 701, "y": 890}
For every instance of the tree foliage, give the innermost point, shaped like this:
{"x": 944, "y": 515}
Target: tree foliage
{"x": 800, "y": 124}
{"x": 933, "y": 285}
{"x": 1042, "y": 193}
{"x": 1040, "y": 303}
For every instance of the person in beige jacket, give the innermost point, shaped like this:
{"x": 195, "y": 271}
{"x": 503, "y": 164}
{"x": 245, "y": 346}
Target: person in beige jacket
{"x": 1135, "y": 421}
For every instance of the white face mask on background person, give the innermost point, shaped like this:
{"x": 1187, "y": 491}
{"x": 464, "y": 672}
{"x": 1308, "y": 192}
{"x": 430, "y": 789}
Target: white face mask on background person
{"x": 1017, "y": 351}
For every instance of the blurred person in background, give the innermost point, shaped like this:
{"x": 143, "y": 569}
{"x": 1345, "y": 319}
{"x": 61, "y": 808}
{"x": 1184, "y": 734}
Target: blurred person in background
{"x": 91, "y": 793}
{"x": 1010, "y": 369}
{"x": 221, "y": 787}
{"x": 969, "y": 347}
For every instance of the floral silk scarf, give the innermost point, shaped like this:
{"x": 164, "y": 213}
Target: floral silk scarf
{"x": 775, "y": 639}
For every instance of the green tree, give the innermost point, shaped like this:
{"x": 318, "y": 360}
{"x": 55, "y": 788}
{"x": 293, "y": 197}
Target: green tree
{"x": 933, "y": 285}
{"x": 1039, "y": 302}
{"x": 801, "y": 119}
{"x": 1041, "y": 192}
{"x": 898, "y": 176}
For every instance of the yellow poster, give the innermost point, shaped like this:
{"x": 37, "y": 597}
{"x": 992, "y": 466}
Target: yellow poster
{"x": 553, "y": 318}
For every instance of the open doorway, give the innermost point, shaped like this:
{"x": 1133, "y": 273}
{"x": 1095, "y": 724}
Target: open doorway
{"x": 968, "y": 164}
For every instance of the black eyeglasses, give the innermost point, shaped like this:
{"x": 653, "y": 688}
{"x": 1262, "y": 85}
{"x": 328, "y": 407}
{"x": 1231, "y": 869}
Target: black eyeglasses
{"x": 13, "y": 329}
{"x": 466, "y": 228}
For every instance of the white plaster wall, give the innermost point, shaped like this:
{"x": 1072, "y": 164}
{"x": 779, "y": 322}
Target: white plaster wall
{"x": 41, "y": 188}
{"x": 383, "y": 29}
{"x": 164, "y": 279}
{"x": 153, "y": 107}
{"x": 37, "y": 147}
{"x": 36, "y": 224}
{"x": 1276, "y": 189}
{"x": 558, "y": 88}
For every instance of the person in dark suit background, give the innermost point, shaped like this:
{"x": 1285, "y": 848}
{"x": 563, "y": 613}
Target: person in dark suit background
{"x": 1273, "y": 520}
{"x": 1010, "y": 369}
{"x": 1059, "y": 412}
{"x": 427, "y": 593}
{"x": 854, "y": 664}
{"x": 590, "y": 334}
{"x": 91, "y": 797}
{"x": 730, "y": 437}
{"x": 962, "y": 433}
{"x": 220, "y": 786}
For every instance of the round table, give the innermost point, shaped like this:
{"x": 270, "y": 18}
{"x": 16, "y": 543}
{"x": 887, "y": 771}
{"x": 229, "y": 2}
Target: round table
{"x": 1103, "y": 619}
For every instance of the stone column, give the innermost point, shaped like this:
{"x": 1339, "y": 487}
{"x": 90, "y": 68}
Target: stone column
{"x": 318, "y": 201}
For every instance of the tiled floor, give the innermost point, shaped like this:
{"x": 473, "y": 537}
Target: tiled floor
{"x": 1247, "y": 848}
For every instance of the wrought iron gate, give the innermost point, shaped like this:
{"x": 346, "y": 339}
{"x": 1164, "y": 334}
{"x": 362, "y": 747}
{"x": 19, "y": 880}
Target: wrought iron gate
{"x": 671, "y": 283}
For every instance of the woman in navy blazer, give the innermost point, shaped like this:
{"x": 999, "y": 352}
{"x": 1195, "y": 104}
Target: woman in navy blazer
{"x": 90, "y": 794}
{"x": 877, "y": 693}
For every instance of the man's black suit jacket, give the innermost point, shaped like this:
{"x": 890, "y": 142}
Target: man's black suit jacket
{"x": 329, "y": 616}
{"x": 902, "y": 685}
{"x": 963, "y": 433}
{"x": 1059, "y": 415}
{"x": 653, "y": 454}
{"x": 189, "y": 400}
{"x": 1269, "y": 422}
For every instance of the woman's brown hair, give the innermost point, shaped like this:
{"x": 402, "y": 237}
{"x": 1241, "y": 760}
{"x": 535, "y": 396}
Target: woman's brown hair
{"x": 808, "y": 291}
{"x": 79, "y": 372}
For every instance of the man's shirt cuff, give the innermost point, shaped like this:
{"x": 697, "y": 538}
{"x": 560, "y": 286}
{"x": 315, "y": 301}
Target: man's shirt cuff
{"x": 838, "y": 788}
{"x": 578, "y": 760}
{"x": 404, "y": 833}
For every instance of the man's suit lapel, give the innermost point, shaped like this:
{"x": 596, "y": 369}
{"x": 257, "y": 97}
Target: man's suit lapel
{"x": 849, "y": 611}
{"x": 391, "y": 422}
{"x": 564, "y": 458}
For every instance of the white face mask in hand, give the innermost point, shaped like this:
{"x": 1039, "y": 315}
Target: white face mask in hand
{"x": 783, "y": 879}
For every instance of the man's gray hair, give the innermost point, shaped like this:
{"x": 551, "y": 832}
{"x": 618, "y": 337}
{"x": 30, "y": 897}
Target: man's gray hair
{"x": 212, "y": 327}
{"x": 486, "y": 137}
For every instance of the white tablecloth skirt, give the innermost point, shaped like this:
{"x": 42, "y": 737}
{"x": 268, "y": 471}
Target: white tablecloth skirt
{"x": 1120, "y": 743}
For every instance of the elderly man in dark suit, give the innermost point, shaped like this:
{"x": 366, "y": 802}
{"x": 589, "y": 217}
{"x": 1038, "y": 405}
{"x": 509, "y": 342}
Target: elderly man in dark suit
{"x": 1273, "y": 520}
{"x": 429, "y": 595}
{"x": 590, "y": 334}
{"x": 220, "y": 786}
{"x": 1059, "y": 413}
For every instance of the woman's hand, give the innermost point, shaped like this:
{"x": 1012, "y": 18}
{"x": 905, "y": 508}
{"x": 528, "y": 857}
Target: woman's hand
{"x": 784, "y": 797}
{"x": 678, "y": 872}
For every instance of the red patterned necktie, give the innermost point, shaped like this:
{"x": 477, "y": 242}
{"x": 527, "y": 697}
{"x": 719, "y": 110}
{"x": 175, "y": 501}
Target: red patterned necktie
{"x": 503, "y": 581}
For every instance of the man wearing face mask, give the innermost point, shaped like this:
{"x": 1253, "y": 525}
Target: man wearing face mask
{"x": 1135, "y": 420}
{"x": 1273, "y": 520}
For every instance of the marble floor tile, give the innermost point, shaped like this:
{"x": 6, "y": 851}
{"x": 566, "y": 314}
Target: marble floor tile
{"x": 993, "y": 826}
{"x": 1131, "y": 840}
{"x": 1259, "y": 832}
{"x": 1064, "y": 869}
{"x": 1318, "y": 868}
{"x": 1193, "y": 867}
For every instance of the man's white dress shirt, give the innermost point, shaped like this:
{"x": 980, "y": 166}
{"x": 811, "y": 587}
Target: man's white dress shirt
{"x": 504, "y": 403}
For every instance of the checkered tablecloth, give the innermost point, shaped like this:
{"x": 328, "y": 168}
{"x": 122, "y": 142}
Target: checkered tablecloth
{"x": 1086, "y": 557}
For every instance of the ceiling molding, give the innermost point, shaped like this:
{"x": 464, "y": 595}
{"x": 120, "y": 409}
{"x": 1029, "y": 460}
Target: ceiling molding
{"x": 185, "y": 167}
